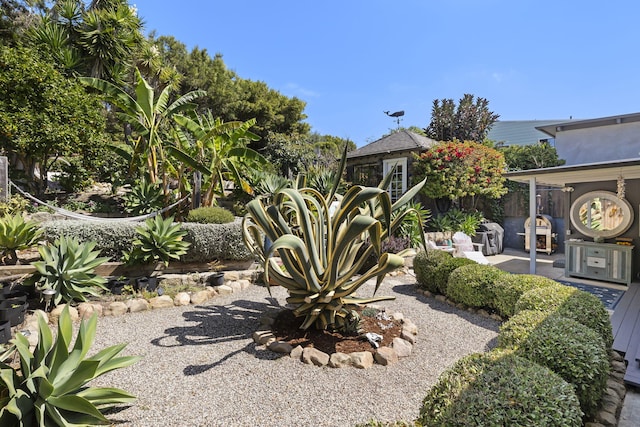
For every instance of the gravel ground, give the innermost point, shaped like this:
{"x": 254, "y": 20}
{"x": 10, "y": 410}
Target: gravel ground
{"x": 200, "y": 366}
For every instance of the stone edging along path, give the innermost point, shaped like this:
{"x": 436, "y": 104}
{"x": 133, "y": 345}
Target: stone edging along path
{"x": 401, "y": 347}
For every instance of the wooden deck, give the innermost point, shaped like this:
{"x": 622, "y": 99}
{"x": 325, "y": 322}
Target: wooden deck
{"x": 625, "y": 321}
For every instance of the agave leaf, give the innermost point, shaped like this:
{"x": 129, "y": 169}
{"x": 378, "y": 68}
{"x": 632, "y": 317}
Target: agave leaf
{"x": 106, "y": 395}
{"x": 77, "y": 404}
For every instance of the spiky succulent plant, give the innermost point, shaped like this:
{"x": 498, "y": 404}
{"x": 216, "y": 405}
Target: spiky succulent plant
{"x": 317, "y": 237}
{"x": 50, "y": 387}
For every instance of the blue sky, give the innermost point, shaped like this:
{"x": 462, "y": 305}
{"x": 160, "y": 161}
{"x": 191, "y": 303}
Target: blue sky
{"x": 351, "y": 60}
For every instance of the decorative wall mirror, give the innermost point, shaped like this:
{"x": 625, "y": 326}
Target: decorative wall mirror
{"x": 601, "y": 214}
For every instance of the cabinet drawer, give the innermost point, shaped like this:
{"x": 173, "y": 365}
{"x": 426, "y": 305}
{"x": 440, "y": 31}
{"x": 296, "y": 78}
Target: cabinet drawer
{"x": 597, "y": 272}
{"x": 598, "y": 262}
{"x": 597, "y": 252}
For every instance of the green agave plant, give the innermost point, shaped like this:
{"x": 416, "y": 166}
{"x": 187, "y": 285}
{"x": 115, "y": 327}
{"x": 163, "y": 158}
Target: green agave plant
{"x": 318, "y": 244}
{"x": 68, "y": 266}
{"x": 17, "y": 234}
{"x": 159, "y": 240}
{"x": 49, "y": 388}
{"x": 144, "y": 197}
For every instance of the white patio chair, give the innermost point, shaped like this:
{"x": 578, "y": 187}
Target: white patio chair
{"x": 465, "y": 248}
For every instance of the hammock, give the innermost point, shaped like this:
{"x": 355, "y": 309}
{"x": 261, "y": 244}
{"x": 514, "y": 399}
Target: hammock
{"x": 74, "y": 215}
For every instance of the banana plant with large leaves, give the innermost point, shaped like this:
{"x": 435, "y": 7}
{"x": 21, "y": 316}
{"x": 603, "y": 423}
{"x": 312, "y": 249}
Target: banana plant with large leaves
{"x": 148, "y": 117}
{"x": 317, "y": 238}
{"x": 218, "y": 150}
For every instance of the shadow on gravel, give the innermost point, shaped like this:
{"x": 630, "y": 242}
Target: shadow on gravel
{"x": 218, "y": 324}
{"x": 412, "y": 291}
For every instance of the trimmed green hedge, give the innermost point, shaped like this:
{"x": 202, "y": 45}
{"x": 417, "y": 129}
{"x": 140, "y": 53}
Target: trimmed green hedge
{"x": 208, "y": 241}
{"x": 510, "y": 287}
{"x": 473, "y": 284}
{"x": 443, "y": 270}
{"x": 210, "y": 215}
{"x": 573, "y": 351}
{"x": 425, "y": 264}
{"x": 571, "y": 303}
{"x": 500, "y": 389}
{"x": 517, "y": 329}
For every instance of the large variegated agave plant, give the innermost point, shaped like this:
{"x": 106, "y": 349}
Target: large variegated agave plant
{"x": 317, "y": 237}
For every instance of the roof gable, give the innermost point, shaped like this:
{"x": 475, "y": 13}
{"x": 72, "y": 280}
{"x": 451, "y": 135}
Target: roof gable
{"x": 402, "y": 140}
{"x": 518, "y": 132}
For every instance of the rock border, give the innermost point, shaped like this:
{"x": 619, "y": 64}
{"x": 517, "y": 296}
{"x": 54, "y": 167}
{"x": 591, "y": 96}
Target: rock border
{"x": 401, "y": 347}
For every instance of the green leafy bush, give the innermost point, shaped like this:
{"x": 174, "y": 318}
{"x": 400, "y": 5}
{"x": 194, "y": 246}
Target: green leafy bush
{"x": 510, "y": 287}
{"x": 572, "y": 303}
{"x": 443, "y": 270}
{"x": 158, "y": 240}
{"x": 208, "y": 241}
{"x": 67, "y": 267}
{"x": 500, "y": 389}
{"x": 17, "y": 234}
{"x": 210, "y": 215}
{"x": 16, "y": 205}
{"x": 50, "y": 388}
{"x": 472, "y": 284}
{"x": 547, "y": 298}
{"x": 573, "y": 351}
{"x": 517, "y": 329}
{"x": 425, "y": 265}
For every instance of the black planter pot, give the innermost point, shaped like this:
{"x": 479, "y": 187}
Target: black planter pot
{"x": 116, "y": 286}
{"x": 216, "y": 279}
{"x": 146, "y": 284}
{"x": 14, "y": 296}
{"x": 13, "y": 313}
{"x": 5, "y": 332}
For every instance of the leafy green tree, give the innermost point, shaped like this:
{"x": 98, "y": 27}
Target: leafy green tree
{"x": 470, "y": 120}
{"x": 100, "y": 40}
{"x": 457, "y": 170}
{"x": 533, "y": 156}
{"x": 45, "y": 116}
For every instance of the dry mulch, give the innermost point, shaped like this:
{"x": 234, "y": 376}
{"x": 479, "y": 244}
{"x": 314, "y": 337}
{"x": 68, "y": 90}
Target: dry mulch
{"x": 287, "y": 328}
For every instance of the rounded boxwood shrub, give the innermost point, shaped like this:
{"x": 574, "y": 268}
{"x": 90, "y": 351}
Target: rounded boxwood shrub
{"x": 572, "y": 303}
{"x": 573, "y": 351}
{"x": 425, "y": 264}
{"x": 472, "y": 284}
{"x": 517, "y": 328}
{"x": 510, "y": 287}
{"x": 500, "y": 389}
{"x": 210, "y": 215}
{"x": 548, "y": 298}
{"x": 443, "y": 270}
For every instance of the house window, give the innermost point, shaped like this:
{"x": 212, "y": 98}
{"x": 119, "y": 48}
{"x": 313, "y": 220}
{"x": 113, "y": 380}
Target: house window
{"x": 366, "y": 175}
{"x": 398, "y": 184}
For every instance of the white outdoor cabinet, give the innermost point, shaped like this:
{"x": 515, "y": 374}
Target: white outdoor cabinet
{"x": 599, "y": 261}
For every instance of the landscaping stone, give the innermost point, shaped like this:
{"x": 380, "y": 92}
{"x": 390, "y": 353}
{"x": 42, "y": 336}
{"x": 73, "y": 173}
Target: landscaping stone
{"x": 408, "y": 337}
{"x": 55, "y": 313}
{"x": 163, "y": 301}
{"x": 235, "y": 286}
{"x": 280, "y": 347}
{"x": 86, "y": 310}
{"x": 619, "y": 388}
{"x": 182, "y": 298}
{"x": 386, "y": 356}
{"x": 212, "y": 292}
{"x": 441, "y": 298}
{"x": 223, "y": 289}
{"x": 339, "y": 360}
{"x": 231, "y": 276}
{"x": 398, "y": 316}
{"x": 174, "y": 280}
{"x": 199, "y": 297}
{"x": 263, "y": 337}
{"x": 116, "y": 308}
{"x": 314, "y": 356}
{"x": 409, "y": 327}
{"x": 402, "y": 347}
{"x": 137, "y": 305}
{"x": 606, "y": 419}
{"x": 296, "y": 353}
{"x": 244, "y": 283}
{"x": 362, "y": 359}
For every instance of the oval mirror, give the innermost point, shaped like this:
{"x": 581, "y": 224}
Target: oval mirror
{"x": 601, "y": 214}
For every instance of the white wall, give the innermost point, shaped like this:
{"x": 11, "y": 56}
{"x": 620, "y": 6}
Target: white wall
{"x": 599, "y": 144}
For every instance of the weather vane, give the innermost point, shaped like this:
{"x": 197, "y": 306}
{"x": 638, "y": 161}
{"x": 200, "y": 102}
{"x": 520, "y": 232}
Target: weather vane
{"x": 396, "y": 116}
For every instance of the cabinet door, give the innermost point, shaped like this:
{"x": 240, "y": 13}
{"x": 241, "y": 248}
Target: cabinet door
{"x": 575, "y": 259}
{"x": 619, "y": 267}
